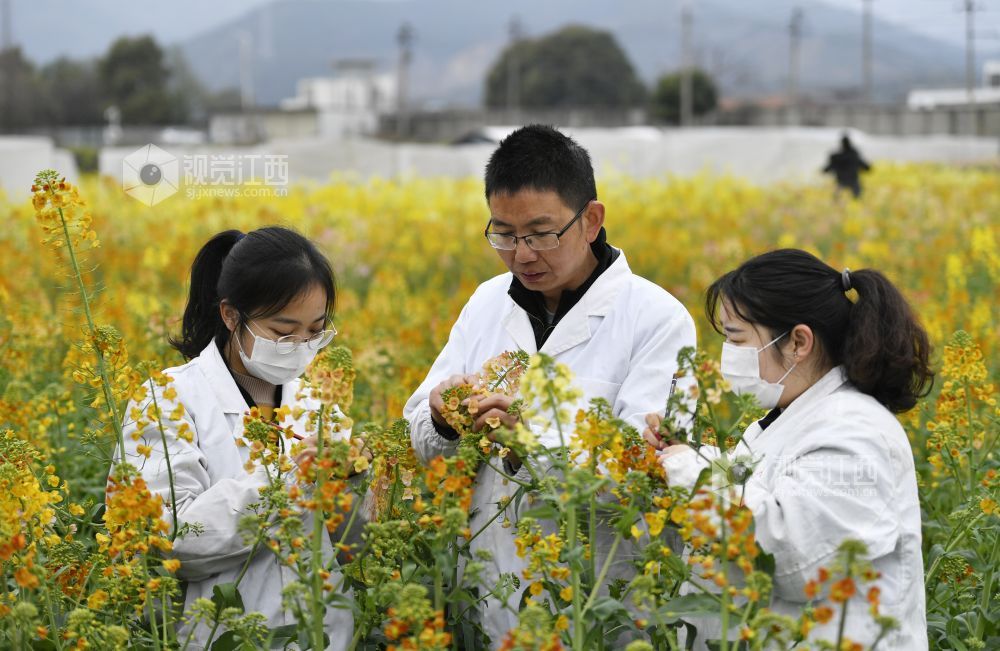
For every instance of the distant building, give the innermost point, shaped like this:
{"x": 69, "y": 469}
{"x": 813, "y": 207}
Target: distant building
{"x": 982, "y": 96}
{"x": 349, "y": 103}
{"x": 991, "y": 74}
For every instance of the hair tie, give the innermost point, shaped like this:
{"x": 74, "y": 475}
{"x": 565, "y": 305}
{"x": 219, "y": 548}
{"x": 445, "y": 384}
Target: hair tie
{"x": 845, "y": 280}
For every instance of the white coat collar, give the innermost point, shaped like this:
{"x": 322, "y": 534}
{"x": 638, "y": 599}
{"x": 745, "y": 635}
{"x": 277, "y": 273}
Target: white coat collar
{"x": 804, "y": 404}
{"x": 227, "y": 393}
{"x": 574, "y": 328}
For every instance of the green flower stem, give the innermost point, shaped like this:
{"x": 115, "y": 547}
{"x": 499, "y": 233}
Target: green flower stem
{"x": 604, "y": 571}
{"x": 51, "y": 616}
{"x": 152, "y": 610}
{"x": 578, "y": 623}
{"x": 987, "y": 595}
{"x": 972, "y": 434}
{"x": 316, "y": 558}
{"x": 166, "y": 456}
{"x": 85, "y": 299}
{"x": 957, "y": 538}
{"x": 236, "y": 584}
{"x": 506, "y": 476}
{"x": 725, "y": 574}
{"x": 489, "y": 522}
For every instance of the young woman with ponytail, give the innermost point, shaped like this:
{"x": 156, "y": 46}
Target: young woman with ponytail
{"x": 833, "y": 355}
{"x": 259, "y": 310}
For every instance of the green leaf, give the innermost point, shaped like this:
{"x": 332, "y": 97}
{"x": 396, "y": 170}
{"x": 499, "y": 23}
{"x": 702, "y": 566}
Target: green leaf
{"x": 542, "y": 512}
{"x": 957, "y": 644}
{"x": 715, "y": 645}
{"x": 225, "y": 595}
{"x": 228, "y": 641}
{"x": 765, "y": 562}
{"x": 605, "y": 608}
{"x": 689, "y": 605}
{"x": 704, "y": 477}
{"x": 282, "y": 636}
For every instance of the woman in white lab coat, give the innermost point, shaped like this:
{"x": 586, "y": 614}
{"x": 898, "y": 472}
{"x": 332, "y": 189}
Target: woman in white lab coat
{"x": 832, "y": 462}
{"x": 259, "y": 309}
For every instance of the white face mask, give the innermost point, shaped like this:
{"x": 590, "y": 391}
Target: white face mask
{"x": 741, "y": 368}
{"x": 266, "y": 363}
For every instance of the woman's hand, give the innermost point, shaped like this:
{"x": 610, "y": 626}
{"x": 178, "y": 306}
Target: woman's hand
{"x": 653, "y": 436}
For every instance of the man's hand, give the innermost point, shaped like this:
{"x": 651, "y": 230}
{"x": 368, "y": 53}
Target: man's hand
{"x": 492, "y": 415}
{"x": 437, "y": 404}
{"x": 307, "y": 454}
{"x": 308, "y": 451}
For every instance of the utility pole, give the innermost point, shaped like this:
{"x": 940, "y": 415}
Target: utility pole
{"x": 247, "y": 99}
{"x": 246, "y": 71}
{"x": 6, "y": 43}
{"x": 866, "y": 52}
{"x": 516, "y": 33}
{"x": 687, "y": 103}
{"x": 969, "y": 7}
{"x": 794, "y": 46}
{"x": 6, "y": 38}
{"x": 404, "y": 38}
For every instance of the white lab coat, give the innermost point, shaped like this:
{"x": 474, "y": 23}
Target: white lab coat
{"x": 834, "y": 465}
{"x": 213, "y": 489}
{"x": 621, "y": 342}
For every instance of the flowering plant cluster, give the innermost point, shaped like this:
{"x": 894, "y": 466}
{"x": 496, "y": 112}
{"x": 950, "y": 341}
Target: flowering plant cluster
{"x": 611, "y": 555}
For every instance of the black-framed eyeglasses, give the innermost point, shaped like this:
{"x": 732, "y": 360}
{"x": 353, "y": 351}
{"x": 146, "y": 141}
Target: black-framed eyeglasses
{"x": 535, "y": 241}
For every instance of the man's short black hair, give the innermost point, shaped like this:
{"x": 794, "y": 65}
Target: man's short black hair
{"x": 539, "y": 157}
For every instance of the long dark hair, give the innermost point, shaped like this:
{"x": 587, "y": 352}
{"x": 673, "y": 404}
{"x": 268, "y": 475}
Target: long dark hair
{"x": 258, "y": 273}
{"x": 877, "y": 339}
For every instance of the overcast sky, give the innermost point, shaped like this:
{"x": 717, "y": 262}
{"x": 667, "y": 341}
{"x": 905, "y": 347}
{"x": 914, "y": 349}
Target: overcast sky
{"x": 49, "y": 28}
{"x": 942, "y": 19}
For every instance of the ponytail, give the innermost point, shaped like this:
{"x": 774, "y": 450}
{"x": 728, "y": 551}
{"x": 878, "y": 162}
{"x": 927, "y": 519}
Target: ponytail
{"x": 878, "y": 340}
{"x": 258, "y": 274}
{"x": 886, "y": 351}
{"x": 202, "y": 321}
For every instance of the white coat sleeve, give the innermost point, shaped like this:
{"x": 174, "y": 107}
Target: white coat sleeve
{"x": 651, "y": 369}
{"x": 215, "y": 508}
{"x": 684, "y": 467}
{"x": 427, "y": 443}
{"x": 836, "y": 490}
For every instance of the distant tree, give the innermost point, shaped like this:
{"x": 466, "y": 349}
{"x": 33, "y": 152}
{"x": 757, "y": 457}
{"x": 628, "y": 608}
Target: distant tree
{"x": 226, "y": 100}
{"x": 573, "y": 67}
{"x": 184, "y": 84}
{"x": 135, "y": 79}
{"x": 665, "y": 104}
{"x": 74, "y": 92}
{"x": 22, "y": 94}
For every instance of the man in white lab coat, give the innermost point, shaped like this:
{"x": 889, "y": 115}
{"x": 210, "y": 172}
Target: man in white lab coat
{"x": 568, "y": 294}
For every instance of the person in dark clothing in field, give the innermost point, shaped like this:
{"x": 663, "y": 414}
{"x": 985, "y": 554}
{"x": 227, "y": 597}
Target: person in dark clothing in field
{"x": 846, "y": 164}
